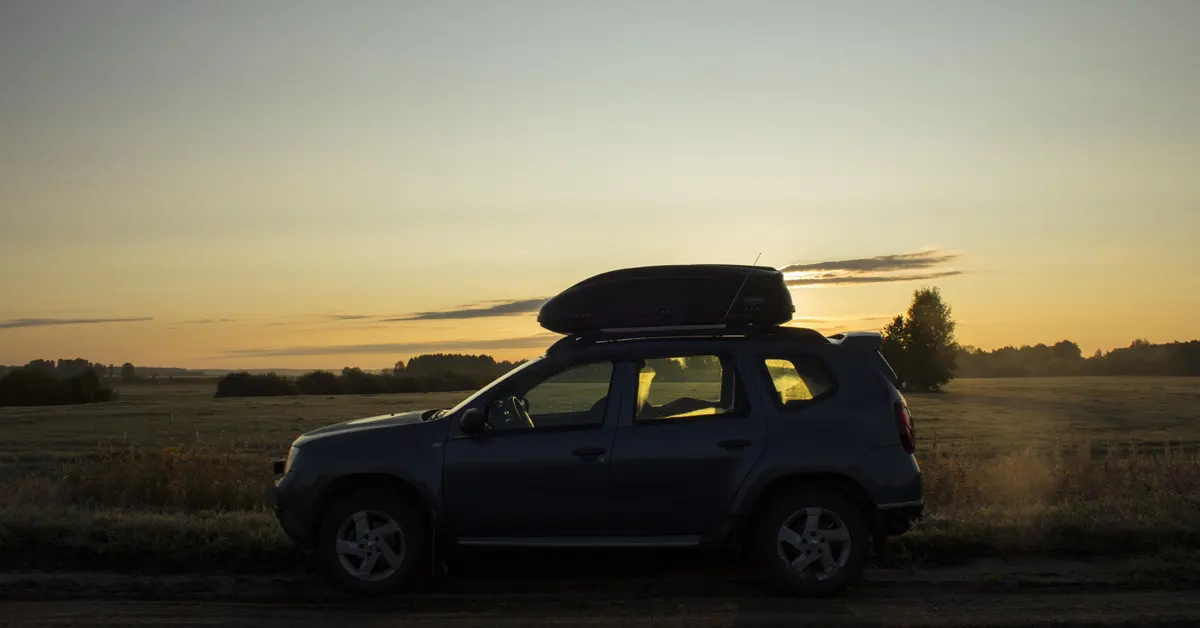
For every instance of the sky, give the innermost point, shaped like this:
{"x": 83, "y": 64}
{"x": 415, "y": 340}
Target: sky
{"x": 302, "y": 184}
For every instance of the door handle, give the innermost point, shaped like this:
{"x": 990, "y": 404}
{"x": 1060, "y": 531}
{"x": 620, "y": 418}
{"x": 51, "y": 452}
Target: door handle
{"x": 589, "y": 453}
{"x": 734, "y": 443}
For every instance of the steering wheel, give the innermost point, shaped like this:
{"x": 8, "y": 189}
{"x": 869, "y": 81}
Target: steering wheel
{"x": 515, "y": 414}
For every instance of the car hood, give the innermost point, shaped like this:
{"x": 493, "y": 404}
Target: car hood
{"x": 369, "y": 423}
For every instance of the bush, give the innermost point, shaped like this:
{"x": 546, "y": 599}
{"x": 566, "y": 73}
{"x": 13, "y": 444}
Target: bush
{"x": 319, "y": 383}
{"x": 357, "y": 382}
{"x": 26, "y": 387}
{"x": 245, "y": 384}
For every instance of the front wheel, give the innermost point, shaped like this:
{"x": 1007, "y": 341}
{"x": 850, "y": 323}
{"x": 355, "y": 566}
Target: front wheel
{"x": 371, "y": 541}
{"x": 813, "y": 541}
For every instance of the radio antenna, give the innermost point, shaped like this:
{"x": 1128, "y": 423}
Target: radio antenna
{"x": 739, "y": 290}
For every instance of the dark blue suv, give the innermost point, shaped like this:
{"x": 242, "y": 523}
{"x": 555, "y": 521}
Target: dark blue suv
{"x": 795, "y": 444}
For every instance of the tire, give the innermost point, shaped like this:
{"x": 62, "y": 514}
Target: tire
{"x": 813, "y": 560}
{"x": 372, "y": 563}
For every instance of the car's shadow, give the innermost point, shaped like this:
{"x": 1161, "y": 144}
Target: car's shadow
{"x": 549, "y": 570}
{"x": 597, "y": 583}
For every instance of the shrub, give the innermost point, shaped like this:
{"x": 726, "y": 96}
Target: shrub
{"x": 245, "y": 384}
{"x": 319, "y": 383}
{"x": 357, "y": 382}
{"x": 27, "y": 387}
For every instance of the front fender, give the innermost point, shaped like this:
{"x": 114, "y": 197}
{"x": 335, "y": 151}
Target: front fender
{"x": 410, "y": 454}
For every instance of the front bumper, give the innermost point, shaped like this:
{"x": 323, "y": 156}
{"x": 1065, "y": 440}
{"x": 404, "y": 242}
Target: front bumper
{"x": 294, "y": 526}
{"x": 291, "y": 517}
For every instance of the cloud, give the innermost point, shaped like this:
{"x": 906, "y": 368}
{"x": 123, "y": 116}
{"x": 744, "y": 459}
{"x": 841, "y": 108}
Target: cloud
{"x": 880, "y": 263}
{"x": 917, "y": 266}
{"x": 499, "y": 308}
{"x": 835, "y": 279}
{"x": 49, "y": 322}
{"x": 316, "y": 319}
{"x": 842, "y": 319}
{"x": 538, "y": 341}
{"x": 207, "y": 321}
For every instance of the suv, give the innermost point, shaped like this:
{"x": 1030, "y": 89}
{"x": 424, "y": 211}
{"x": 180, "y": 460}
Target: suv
{"x": 796, "y": 445}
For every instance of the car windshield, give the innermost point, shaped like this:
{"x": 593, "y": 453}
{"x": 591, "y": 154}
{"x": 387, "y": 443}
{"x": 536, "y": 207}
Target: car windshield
{"x": 465, "y": 402}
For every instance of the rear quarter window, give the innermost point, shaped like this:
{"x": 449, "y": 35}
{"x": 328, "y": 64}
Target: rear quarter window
{"x": 798, "y": 381}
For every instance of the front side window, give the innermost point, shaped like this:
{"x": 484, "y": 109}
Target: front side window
{"x": 496, "y": 384}
{"x": 575, "y": 397}
{"x": 686, "y": 387}
{"x": 797, "y": 381}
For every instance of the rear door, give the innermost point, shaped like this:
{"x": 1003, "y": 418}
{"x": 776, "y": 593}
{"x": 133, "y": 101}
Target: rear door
{"x": 688, "y": 436}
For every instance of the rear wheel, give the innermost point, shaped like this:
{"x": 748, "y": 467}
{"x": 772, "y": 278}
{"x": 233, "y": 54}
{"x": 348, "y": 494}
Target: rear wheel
{"x": 813, "y": 541}
{"x": 371, "y": 541}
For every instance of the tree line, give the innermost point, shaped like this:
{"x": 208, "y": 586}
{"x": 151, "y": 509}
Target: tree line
{"x": 66, "y": 369}
{"x": 1064, "y": 358}
{"x": 438, "y": 372}
{"x": 919, "y": 345}
{"x": 54, "y": 383}
{"x": 922, "y": 350}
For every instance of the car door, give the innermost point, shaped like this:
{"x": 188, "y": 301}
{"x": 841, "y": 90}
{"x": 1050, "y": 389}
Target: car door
{"x": 687, "y": 438}
{"x": 548, "y": 480}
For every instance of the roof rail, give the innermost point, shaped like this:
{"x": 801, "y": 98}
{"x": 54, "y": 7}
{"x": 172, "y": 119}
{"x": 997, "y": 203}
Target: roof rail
{"x": 684, "y": 332}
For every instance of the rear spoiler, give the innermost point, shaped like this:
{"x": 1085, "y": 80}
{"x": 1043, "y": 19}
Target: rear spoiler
{"x": 867, "y": 342}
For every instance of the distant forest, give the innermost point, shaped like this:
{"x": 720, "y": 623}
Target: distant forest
{"x": 51, "y": 383}
{"x": 1064, "y": 359}
{"x": 70, "y": 368}
{"x": 46, "y": 382}
{"x": 438, "y": 372}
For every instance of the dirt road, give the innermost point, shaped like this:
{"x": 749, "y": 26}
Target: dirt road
{"x": 594, "y": 592}
{"x": 902, "y": 607}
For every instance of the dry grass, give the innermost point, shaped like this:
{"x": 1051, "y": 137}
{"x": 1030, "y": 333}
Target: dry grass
{"x": 191, "y": 479}
{"x": 1009, "y": 470}
{"x": 205, "y": 508}
{"x": 1063, "y": 501}
{"x": 164, "y": 415}
{"x": 123, "y": 540}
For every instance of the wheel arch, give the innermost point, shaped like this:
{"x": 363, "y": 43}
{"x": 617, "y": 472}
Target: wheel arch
{"x": 844, "y": 484}
{"x": 344, "y": 485}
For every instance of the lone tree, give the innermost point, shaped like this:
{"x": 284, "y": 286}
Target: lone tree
{"x": 921, "y": 346}
{"x": 127, "y": 372}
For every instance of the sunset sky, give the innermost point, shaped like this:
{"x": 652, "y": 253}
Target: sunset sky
{"x": 317, "y": 184}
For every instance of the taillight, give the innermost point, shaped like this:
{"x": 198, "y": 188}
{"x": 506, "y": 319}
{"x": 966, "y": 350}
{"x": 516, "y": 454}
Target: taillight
{"x": 904, "y": 426}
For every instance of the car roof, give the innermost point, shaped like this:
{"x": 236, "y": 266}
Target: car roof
{"x": 640, "y": 336}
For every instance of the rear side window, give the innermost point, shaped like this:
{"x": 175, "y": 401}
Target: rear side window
{"x": 798, "y": 380}
{"x": 688, "y": 387}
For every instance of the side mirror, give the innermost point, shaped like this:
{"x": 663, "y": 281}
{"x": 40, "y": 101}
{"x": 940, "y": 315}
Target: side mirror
{"x": 472, "y": 421}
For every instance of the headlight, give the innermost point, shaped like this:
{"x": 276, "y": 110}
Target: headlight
{"x": 287, "y": 466}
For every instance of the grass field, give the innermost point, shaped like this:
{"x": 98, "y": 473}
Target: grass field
{"x": 992, "y": 413}
{"x": 168, "y": 477}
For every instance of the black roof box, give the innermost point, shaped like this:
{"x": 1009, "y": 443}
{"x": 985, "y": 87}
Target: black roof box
{"x": 662, "y": 296}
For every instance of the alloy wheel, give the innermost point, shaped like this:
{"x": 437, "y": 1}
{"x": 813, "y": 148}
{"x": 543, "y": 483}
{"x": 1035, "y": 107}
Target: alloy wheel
{"x": 370, "y": 545}
{"x": 814, "y": 542}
